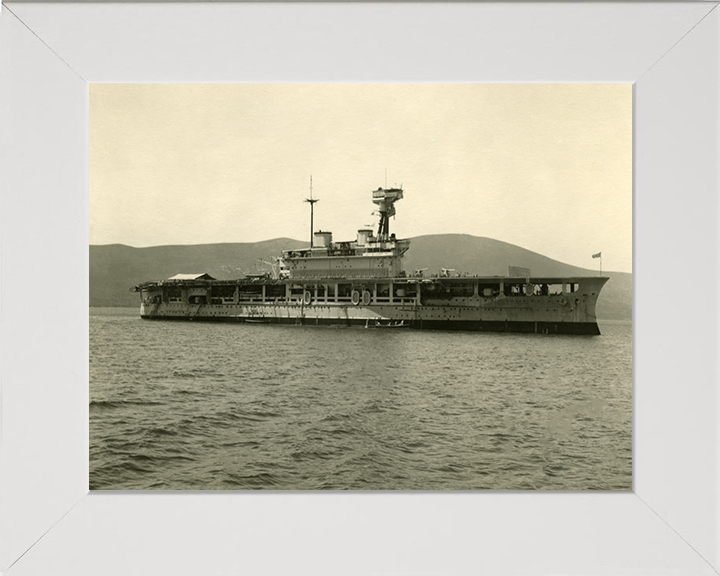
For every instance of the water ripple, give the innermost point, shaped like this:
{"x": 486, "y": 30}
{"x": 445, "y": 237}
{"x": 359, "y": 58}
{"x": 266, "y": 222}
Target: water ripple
{"x": 213, "y": 406}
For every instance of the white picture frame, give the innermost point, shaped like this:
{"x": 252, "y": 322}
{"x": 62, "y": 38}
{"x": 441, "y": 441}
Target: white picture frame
{"x": 49, "y": 523}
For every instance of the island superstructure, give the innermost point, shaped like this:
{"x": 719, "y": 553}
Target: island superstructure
{"x": 362, "y": 282}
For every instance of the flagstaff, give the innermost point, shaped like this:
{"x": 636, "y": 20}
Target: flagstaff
{"x": 599, "y": 255}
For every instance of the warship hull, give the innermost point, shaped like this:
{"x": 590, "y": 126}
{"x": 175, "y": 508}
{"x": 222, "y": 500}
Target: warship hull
{"x": 478, "y": 304}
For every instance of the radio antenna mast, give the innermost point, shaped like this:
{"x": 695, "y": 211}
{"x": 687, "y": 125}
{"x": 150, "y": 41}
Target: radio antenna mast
{"x": 312, "y": 201}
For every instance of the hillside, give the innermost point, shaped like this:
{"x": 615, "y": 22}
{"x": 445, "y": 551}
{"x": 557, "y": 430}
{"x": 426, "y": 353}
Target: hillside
{"x": 115, "y": 268}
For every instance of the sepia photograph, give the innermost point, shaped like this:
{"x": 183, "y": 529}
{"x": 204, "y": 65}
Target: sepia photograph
{"x": 360, "y": 287}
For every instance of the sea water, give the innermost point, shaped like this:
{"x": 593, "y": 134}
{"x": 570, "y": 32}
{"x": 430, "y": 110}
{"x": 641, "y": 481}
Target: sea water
{"x": 211, "y": 406}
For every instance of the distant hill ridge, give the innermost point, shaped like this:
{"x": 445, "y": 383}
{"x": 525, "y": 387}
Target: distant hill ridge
{"x": 116, "y": 268}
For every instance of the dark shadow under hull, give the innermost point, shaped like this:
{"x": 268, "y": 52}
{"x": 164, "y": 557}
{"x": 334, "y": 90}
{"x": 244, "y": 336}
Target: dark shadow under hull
{"x": 583, "y": 328}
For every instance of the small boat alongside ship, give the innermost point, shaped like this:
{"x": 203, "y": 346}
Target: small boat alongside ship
{"x": 391, "y": 324}
{"x": 362, "y": 282}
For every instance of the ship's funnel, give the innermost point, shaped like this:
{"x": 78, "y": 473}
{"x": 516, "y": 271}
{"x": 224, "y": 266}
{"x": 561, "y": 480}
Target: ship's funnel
{"x": 322, "y": 239}
{"x": 363, "y": 236}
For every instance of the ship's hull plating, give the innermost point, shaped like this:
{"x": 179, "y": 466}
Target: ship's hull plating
{"x": 546, "y": 316}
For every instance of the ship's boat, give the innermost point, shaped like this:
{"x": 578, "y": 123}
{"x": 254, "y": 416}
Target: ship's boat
{"x": 362, "y": 282}
{"x": 391, "y": 324}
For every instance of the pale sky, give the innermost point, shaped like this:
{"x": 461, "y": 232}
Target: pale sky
{"x": 547, "y": 167}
